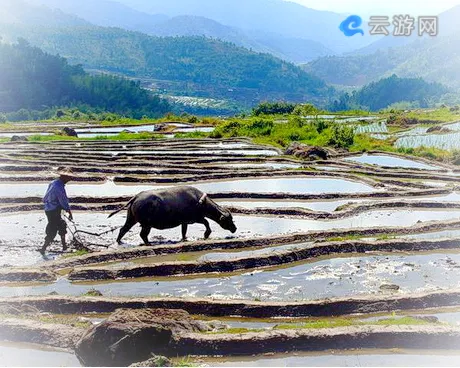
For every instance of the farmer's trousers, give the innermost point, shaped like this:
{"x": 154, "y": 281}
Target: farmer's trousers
{"x": 55, "y": 224}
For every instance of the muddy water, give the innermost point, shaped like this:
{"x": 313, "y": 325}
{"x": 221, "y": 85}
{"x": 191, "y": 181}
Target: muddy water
{"x": 210, "y": 256}
{"x": 31, "y": 355}
{"x": 286, "y": 185}
{"x": 21, "y": 233}
{"x": 329, "y": 278}
{"x": 391, "y": 161}
{"x": 354, "y": 358}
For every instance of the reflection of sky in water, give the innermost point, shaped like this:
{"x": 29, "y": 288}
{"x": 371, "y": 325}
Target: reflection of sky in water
{"x": 391, "y": 161}
{"x": 287, "y": 185}
{"x": 359, "y": 358}
{"x": 29, "y": 355}
{"x": 336, "y": 277}
{"x": 330, "y": 206}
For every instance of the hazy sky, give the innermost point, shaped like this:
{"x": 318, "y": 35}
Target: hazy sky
{"x": 382, "y": 7}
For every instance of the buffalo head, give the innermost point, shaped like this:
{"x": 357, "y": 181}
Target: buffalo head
{"x": 226, "y": 222}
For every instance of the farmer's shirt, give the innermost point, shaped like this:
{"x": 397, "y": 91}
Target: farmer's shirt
{"x": 56, "y": 196}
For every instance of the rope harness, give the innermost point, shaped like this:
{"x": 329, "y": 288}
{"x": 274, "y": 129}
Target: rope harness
{"x": 78, "y": 243}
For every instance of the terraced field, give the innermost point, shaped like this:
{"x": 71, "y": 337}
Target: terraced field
{"x": 359, "y": 252}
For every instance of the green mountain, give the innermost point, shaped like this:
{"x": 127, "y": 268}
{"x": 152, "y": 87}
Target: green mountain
{"x": 32, "y": 79}
{"x": 387, "y": 91}
{"x": 186, "y": 65}
{"x": 114, "y": 14}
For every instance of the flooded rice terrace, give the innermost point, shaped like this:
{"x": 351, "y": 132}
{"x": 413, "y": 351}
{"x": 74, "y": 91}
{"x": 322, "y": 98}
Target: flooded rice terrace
{"x": 348, "y": 238}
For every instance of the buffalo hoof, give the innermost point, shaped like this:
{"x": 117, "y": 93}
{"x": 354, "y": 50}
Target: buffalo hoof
{"x": 184, "y": 239}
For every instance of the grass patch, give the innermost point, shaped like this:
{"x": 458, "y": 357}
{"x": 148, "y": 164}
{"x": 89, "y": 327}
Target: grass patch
{"x": 92, "y": 292}
{"x": 345, "y": 238}
{"x": 191, "y": 135}
{"x": 185, "y": 362}
{"x": 78, "y": 253}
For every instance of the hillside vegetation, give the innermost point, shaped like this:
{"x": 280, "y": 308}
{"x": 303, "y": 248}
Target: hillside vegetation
{"x": 434, "y": 59}
{"x": 189, "y": 65}
{"x": 32, "y": 79}
{"x": 387, "y": 91}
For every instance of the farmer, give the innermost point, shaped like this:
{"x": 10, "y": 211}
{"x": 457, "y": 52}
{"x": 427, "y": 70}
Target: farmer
{"x": 55, "y": 201}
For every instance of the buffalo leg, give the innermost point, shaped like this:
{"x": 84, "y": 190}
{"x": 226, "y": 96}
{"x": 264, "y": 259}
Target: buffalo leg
{"x": 130, "y": 222}
{"x": 208, "y": 228}
{"x": 184, "y": 232}
{"x": 145, "y": 234}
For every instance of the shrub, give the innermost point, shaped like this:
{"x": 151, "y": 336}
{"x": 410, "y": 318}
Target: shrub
{"x": 342, "y": 136}
{"x": 192, "y": 119}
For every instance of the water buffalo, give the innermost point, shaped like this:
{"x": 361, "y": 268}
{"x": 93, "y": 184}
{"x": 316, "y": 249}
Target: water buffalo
{"x": 168, "y": 208}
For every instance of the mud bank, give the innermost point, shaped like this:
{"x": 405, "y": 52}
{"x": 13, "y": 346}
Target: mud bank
{"x": 380, "y": 337}
{"x": 219, "y": 308}
{"x": 198, "y": 246}
{"x": 26, "y": 275}
{"x": 312, "y": 251}
{"x": 31, "y": 331}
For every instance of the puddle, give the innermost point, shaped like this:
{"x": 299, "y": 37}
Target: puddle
{"x": 24, "y": 232}
{"x": 31, "y": 355}
{"x": 449, "y": 141}
{"x": 391, "y": 161}
{"x": 354, "y": 358}
{"x": 285, "y": 185}
{"x": 329, "y": 278}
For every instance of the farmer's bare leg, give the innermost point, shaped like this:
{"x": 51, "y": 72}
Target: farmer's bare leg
{"x": 62, "y": 232}
{"x": 52, "y": 228}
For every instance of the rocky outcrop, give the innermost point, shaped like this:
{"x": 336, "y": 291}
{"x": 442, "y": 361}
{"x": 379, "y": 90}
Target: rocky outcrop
{"x": 308, "y": 152}
{"x": 130, "y": 336}
{"x": 69, "y": 132}
{"x": 19, "y": 138}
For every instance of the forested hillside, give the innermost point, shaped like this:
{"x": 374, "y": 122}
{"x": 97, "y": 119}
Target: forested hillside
{"x": 434, "y": 59}
{"x": 32, "y": 79}
{"x": 189, "y": 65}
{"x": 381, "y": 94}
